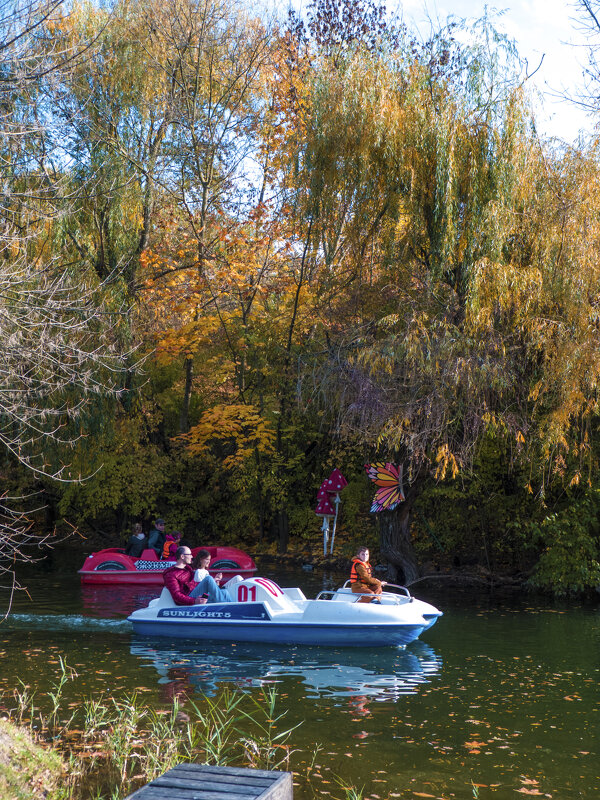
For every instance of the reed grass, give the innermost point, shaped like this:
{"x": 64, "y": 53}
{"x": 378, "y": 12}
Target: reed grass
{"x": 115, "y": 745}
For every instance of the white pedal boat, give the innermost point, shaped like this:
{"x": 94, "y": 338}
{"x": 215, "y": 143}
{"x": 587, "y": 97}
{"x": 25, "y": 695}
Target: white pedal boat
{"x": 261, "y": 611}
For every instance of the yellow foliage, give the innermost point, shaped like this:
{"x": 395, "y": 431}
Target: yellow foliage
{"x": 575, "y": 480}
{"x": 239, "y": 430}
{"x": 445, "y": 461}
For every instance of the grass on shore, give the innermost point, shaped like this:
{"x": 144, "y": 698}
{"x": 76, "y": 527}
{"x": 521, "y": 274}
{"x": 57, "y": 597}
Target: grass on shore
{"x": 106, "y": 748}
{"x": 27, "y": 770}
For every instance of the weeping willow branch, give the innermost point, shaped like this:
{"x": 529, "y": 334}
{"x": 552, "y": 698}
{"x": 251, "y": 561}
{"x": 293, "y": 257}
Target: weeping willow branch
{"x": 61, "y": 345}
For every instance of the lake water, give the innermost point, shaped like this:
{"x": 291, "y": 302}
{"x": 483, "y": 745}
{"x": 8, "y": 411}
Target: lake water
{"x": 499, "y": 699}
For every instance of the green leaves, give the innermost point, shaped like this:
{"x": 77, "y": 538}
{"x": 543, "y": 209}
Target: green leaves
{"x": 570, "y": 560}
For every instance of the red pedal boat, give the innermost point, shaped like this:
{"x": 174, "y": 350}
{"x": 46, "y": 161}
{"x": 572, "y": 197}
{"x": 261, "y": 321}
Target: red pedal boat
{"x": 112, "y": 566}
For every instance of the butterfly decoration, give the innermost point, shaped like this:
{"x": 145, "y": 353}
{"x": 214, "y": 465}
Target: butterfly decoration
{"x": 388, "y": 479}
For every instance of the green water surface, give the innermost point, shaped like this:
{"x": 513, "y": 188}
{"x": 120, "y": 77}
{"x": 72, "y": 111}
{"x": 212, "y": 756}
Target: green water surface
{"x": 499, "y": 700}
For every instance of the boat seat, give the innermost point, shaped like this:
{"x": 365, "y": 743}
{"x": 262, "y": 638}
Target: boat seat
{"x": 231, "y": 586}
{"x": 164, "y": 599}
{"x": 348, "y": 595}
{"x": 148, "y": 555}
{"x": 261, "y": 590}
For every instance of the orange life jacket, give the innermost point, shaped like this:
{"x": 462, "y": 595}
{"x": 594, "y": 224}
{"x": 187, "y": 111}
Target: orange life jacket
{"x": 354, "y": 574}
{"x": 168, "y": 547}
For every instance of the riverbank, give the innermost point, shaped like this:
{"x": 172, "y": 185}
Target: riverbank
{"x": 468, "y": 576}
{"x": 27, "y": 770}
{"x": 114, "y": 746}
{"x": 439, "y": 575}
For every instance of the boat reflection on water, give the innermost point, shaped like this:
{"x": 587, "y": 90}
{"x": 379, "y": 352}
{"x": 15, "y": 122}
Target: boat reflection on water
{"x": 186, "y": 668}
{"x": 114, "y": 600}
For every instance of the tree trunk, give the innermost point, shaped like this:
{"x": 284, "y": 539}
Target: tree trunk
{"x": 396, "y": 546}
{"x": 184, "y": 422}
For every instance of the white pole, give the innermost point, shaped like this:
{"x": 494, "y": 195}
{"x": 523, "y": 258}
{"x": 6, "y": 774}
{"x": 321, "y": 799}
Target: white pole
{"x": 325, "y": 534}
{"x": 337, "y": 505}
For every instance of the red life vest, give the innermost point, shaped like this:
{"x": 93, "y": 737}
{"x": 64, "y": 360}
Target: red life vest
{"x": 354, "y": 574}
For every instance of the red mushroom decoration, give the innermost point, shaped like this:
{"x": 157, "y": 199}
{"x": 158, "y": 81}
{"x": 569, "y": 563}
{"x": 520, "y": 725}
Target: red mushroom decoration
{"x": 323, "y": 493}
{"x": 328, "y": 497}
{"x": 335, "y": 482}
{"x": 325, "y": 508}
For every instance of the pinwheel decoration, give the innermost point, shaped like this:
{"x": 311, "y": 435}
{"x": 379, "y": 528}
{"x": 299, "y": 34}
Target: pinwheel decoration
{"x": 388, "y": 479}
{"x": 328, "y": 501}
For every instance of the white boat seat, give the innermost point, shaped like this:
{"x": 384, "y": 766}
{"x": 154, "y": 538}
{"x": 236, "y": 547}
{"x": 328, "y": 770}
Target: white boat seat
{"x": 261, "y": 590}
{"x": 231, "y": 586}
{"x": 164, "y": 599}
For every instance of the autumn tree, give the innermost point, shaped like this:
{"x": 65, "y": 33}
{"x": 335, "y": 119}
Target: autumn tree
{"x": 112, "y": 113}
{"x": 322, "y": 229}
{"x": 407, "y": 150}
{"x": 470, "y": 276}
{"x": 59, "y": 340}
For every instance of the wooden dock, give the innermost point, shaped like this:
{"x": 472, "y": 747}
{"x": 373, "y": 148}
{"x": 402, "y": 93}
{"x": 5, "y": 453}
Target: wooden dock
{"x": 206, "y": 782}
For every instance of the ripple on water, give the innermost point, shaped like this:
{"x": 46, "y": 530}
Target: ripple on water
{"x": 65, "y": 622}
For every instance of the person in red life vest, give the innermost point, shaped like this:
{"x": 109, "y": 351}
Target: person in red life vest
{"x": 170, "y": 546}
{"x": 179, "y": 580}
{"x": 361, "y": 577}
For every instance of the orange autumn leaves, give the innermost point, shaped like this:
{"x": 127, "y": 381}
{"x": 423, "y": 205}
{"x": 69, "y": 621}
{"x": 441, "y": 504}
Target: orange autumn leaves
{"x": 197, "y": 295}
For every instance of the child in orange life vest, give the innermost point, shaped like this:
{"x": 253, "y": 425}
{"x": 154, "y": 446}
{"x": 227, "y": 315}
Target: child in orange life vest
{"x": 171, "y": 545}
{"x": 361, "y": 577}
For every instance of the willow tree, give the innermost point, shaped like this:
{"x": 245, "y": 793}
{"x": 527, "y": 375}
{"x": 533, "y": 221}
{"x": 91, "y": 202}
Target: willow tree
{"x": 420, "y": 160}
{"x": 112, "y": 113}
{"x": 212, "y": 55}
{"x": 158, "y": 126}
{"x": 485, "y": 271}
{"x": 59, "y": 343}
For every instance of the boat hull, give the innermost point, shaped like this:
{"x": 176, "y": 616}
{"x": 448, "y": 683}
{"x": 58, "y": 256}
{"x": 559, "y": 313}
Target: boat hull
{"x": 261, "y": 611}
{"x": 286, "y": 633}
{"x": 113, "y": 567}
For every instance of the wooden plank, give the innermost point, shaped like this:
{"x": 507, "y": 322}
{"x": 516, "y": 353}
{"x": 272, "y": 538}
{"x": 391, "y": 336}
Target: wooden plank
{"x": 248, "y": 792}
{"x": 152, "y": 792}
{"x": 242, "y": 771}
{"x": 236, "y": 780}
{"x": 193, "y": 779}
{"x": 208, "y": 782}
{"x": 283, "y": 789}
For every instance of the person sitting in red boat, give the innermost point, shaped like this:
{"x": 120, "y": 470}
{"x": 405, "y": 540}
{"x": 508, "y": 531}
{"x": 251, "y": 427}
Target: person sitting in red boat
{"x": 156, "y": 537}
{"x": 171, "y": 544}
{"x": 179, "y": 580}
{"x": 361, "y": 576}
{"x": 137, "y": 542}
